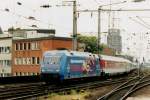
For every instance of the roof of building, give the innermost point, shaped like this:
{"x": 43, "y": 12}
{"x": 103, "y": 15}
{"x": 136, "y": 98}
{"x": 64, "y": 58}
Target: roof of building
{"x": 44, "y": 38}
{"x": 4, "y": 36}
{"x": 38, "y": 30}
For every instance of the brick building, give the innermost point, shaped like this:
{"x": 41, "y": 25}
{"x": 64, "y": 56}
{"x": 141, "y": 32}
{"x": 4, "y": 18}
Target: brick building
{"x": 27, "y": 53}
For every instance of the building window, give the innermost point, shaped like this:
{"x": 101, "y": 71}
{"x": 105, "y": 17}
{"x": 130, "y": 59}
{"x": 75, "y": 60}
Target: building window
{"x": 20, "y": 74}
{"x": 24, "y": 61}
{"x": 1, "y": 75}
{"x": 33, "y": 60}
{"x": 19, "y": 61}
{"x": 2, "y": 49}
{"x": 33, "y": 46}
{"x": 28, "y": 61}
{"x": 38, "y": 60}
{"x": 8, "y": 49}
{"x": 37, "y": 46}
{"x": 5, "y": 50}
{"x": 7, "y": 63}
{"x": 16, "y": 46}
{"x": 29, "y": 46}
{"x": 16, "y": 74}
{"x": 25, "y": 46}
{"x": 16, "y": 61}
{"x": 20, "y": 46}
{"x": 0, "y": 63}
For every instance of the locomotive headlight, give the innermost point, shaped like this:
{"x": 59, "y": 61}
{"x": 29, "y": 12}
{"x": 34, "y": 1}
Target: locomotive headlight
{"x": 43, "y": 70}
{"x": 57, "y": 70}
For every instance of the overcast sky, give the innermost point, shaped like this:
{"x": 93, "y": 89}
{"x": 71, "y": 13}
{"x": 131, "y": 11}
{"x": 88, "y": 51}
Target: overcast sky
{"x": 60, "y": 18}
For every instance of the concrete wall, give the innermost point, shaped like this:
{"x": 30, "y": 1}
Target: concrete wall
{"x": 5, "y": 56}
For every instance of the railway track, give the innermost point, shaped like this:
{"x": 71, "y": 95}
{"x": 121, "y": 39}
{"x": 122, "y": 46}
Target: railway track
{"x": 126, "y": 89}
{"x": 27, "y": 91}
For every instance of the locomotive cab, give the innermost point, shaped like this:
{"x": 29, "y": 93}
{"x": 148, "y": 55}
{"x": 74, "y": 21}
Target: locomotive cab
{"x": 51, "y": 67}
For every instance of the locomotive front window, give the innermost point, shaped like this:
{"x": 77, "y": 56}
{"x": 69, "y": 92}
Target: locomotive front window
{"x": 52, "y": 60}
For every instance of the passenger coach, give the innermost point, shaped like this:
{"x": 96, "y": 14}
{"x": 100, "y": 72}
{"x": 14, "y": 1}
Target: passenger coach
{"x": 111, "y": 65}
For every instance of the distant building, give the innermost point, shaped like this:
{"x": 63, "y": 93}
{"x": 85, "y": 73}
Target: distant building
{"x": 114, "y": 40}
{"x": 5, "y": 55}
{"x": 27, "y": 53}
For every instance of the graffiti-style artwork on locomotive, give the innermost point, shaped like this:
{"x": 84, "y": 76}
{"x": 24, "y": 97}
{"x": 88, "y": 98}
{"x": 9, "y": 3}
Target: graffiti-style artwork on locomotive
{"x": 83, "y": 66}
{"x": 89, "y": 65}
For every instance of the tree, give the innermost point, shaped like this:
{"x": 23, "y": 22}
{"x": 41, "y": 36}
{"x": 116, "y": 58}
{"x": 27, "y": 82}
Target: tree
{"x": 90, "y": 43}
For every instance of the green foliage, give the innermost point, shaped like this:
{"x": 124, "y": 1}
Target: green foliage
{"x": 90, "y": 43}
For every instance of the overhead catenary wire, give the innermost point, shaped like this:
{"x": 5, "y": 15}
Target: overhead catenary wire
{"x": 128, "y": 10}
{"x": 143, "y": 21}
{"x": 31, "y": 18}
{"x": 139, "y": 23}
{"x": 96, "y": 2}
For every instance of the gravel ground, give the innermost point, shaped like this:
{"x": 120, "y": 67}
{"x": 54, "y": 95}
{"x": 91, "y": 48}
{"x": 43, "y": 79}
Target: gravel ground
{"x": 85, "y": 95}
{"x": 144, "y": 93}
{"x": 96, "y": 93}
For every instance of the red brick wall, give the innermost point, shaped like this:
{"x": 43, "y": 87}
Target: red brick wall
{"x": 108, "y": 51}
{"x": 44, "y": 46}
{"x": 62, "y": 44}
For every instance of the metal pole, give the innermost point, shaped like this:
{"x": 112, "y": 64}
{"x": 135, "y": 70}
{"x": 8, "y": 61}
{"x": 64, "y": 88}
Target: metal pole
{"x": 138, "y": 69}
{"x": 74, "y": 26}
{"x": 99, "y": 29}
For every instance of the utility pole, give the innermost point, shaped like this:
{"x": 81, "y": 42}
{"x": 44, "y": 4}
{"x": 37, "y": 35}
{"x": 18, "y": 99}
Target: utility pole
{"x": 74, "y": 26}
{"x": 99, "y": 29}
{"x": 74, "y": 35}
